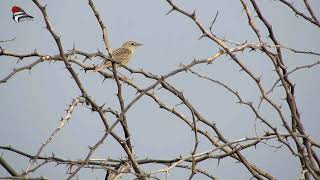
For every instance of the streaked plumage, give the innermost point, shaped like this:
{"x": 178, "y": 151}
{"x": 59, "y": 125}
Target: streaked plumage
{"x": 121, "y": 55}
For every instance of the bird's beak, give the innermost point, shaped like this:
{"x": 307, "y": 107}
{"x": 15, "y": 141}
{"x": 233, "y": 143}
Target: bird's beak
{"x": 138, "y": 44}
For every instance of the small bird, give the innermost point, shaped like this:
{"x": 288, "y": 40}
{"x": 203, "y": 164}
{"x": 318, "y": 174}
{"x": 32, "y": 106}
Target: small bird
{"x": 19, "y": 14}
{"x": 121, "y": 55}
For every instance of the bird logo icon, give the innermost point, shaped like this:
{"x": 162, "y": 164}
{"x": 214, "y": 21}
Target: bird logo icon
{"x": 19, "y": 14}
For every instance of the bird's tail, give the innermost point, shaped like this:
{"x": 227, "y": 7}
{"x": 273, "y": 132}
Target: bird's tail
{"x": 102, "y": 66}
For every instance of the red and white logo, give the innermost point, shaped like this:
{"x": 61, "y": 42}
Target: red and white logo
{"x": 19, "y": 14}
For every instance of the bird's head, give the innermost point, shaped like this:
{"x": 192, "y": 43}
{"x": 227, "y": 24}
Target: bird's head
{"x": 131, "y": 45}
{"x": 16, "y": 9}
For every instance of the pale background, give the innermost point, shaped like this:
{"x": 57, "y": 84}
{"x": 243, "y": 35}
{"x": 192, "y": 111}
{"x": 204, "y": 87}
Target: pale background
{"x": 31, "y": 104}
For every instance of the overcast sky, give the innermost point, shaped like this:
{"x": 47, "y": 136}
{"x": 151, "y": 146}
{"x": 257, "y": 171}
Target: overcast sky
{"x": 32, "y": 103}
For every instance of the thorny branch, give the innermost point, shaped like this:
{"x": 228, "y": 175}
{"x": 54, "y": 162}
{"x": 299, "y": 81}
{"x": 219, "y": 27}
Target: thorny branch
{"x": 302, "y": 146}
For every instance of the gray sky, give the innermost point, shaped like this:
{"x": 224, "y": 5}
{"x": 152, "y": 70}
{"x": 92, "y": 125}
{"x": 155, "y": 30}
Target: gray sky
{"x": 32, "y": 103}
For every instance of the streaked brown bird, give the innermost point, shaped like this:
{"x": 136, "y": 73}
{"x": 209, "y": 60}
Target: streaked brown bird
{"x": 121, "y": 55}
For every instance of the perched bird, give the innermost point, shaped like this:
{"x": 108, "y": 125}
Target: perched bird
{"x": 121, "y": 55}
{"x": 19, "y": 14}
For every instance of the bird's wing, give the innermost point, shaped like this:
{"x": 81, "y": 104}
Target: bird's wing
{"x": 21, "y": 16}
{"x": 121, "y": 54}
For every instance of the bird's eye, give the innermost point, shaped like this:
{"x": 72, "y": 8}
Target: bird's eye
{"x": 132, "y": 43}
